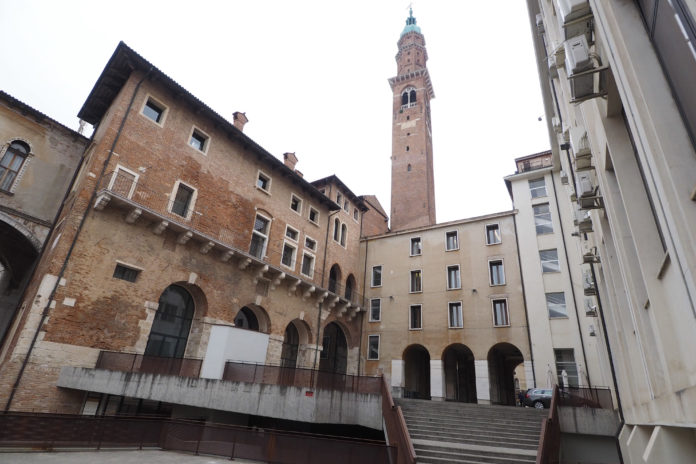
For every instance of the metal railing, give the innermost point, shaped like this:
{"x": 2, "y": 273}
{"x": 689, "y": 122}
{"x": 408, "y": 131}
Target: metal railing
{"x": 300, "y": 377}
{"x": 395, "y": 428}
{"x": 211, "y": 222}
{"x": 55, "y": 431}
{"x": 586, "y": 397}
{"x": 549, "y": 448}
{"x": 131, "y": 362}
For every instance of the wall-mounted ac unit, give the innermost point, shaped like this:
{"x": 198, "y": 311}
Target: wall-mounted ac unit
{"x": 540, "y": 24}
{"x": 556, "y": 123}
{"x": 593, "y": 332}
{"x": 588, "y": 284}
{"x": 564, "y": 177}
{"x": 590, "y": 307}
{"x": 578, "y": 60}
{"x": 579, "y": 142}
{"x": 583, "y": 221}
{"x": 553, "y": 66}
{"x": 584, "y": 185}
{"x": 575, "y": 15}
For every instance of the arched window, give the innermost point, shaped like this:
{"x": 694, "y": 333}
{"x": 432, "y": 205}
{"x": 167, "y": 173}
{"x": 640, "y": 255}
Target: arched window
{"x": 246, "y": 319}
{"x": 337, "y": 225}
{"x": 344, "y": 232}
{"x": 408, "y": 98}
{"x": 170, "y": 329}
{"x": 408, "y": 168}
{"x": 11, "y": 163}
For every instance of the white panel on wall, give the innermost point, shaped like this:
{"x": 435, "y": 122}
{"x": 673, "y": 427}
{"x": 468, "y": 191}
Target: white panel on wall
{"x": 232, "y": 344}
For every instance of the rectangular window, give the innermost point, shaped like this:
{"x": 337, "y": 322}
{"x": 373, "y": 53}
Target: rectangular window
{"x": 375, "y": 309}
{"x": 501, "y": 318}
{"x": 126, "y": 273}
{"x": 346, "y": 206}
{"x": 555, "y": 302}
{"x": 497, "y": 273}
{"x": 182, "y": 200}
{"x": 537, "y": 187}
{"x": 259, "y": 237}
{"x": 339, "y": 199}
{"x": 153, "y": 110}
{"x": 416, "y": 282}
{"x": 493, "y": 234}
{"x": 373, "y": 347}
{"x": 453, "y": 277}
{"x": 199, "y": 140}
{"x": 455, "y": 315}
{"x": 565, "y": 361}
{"x": 451, "y": 241}
{"x": 313, "y": 215}
{"x": 415, "y": 319}
{"x": 542, "y": 219}
{"x": 415, "y": 246}
{"x": 310, "y": 244}
{"x": 356, "y": 214}
{"x": 263, "y": 182}
{"x": 291, "y": 233}
{"x": 307, "y": 265}
{"x": 288, "y": 256}
{"x": 296, "y": 204}
{"x": 123, "y": 182}
{"x": 549, "y": 261}
{"x": 376, "y": 276}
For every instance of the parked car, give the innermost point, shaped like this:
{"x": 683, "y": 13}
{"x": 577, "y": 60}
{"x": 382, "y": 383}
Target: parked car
{"x": 538, "y": 398}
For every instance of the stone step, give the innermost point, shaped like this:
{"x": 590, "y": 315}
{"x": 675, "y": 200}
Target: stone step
{"x": 449, "y": 419}
{"x": 488, "y": 441}
{"x": 466, "y": 408}
{"x": 455, "y": 452}
{"x": 471, "y": 429}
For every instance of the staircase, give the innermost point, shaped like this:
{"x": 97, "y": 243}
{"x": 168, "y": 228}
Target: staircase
{"x": 446, "y": 432}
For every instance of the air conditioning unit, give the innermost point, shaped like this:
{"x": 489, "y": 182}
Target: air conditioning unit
{"x": 584, "y": 185}
{"x": 577, "y": 60}
{"x": 540, "y": 24}
{"x": 574, "y": 15}
{"x": 590, "y": 257}
{"x": 553, "y": 66}
{"x": 556, "y": 123}
{"x": 590, "y": 307}
{"x": 583, "y": 221}
{"x": 593, "y": 332}
{"x": 588, "y": 284}
{"x": 564, "y": 177}
{"x": 580, "y": 144}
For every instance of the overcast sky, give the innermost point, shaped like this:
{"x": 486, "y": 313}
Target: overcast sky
{"x": 311, "y": 77}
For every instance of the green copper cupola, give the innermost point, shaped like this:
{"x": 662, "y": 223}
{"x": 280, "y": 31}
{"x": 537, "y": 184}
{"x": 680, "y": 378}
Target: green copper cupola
{"x": 411, "y": 25}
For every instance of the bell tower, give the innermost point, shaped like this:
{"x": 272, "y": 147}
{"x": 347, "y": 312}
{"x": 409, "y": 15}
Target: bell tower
{"x": 412, "y": 182}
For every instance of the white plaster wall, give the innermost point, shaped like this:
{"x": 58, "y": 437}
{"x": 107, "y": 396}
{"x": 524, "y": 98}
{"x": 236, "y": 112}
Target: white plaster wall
{"x": 232, "y": 344}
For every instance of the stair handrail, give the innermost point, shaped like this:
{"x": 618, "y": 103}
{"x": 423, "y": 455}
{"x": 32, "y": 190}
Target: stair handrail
{"x": 395, "y": 425}
{"x": 549, "y": 448}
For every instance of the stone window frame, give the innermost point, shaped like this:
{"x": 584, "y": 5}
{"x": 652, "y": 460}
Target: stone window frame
{"x": 490, "y": 275}
{"x": 316, "y": 244}
{"x": 372, "y": 276}
{"x": 305, "y": 253}
{"x": 420, "y": 245}
{"x": 25, "y": 163}
{"x": 300, "y": 203}
{"x": 507, "y": 311}
{"x": 356, "y": 215}
{"x": 192, "y": 202}
{"x": 206, "y": 142}
{"x": 370, "y": 318}
{"x": 267, "y": 236}
{"x": 456, "y": 238}
{"x": 297, "y": 232}
{"x": 295, "y": 247}
{"x": 120, "y": 167}
{"x": 410, "y": 281}
{"x": 309, "y": 215}
{"x": 420, "y": 312}
{"x": 447, "y": 276}
{"x": 372, "y": 337}
{"x": 461, "y": 315}
{"x": 158, "y": 102}
{"x": 130, "y": 266}
{"x": 500, "y": 234}
{"x": 259, "y": 175}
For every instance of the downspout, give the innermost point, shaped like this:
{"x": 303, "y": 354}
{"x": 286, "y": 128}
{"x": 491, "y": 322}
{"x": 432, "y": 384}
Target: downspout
{"x": 524, "y": 299}
{"x": 46, "y": 309}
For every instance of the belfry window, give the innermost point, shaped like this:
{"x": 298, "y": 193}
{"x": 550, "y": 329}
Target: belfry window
{"x": 408, "y": 98}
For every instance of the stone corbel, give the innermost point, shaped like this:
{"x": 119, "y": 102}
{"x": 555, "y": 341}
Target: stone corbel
{"x": 342, "y": 311}
{"x": 333, "y": 302}
{"x": 293, "y": 287}
{"x": 308, "y": 292}
{"x": 279, "y": 278}
{"x": 261, "y": 272}
{"x": 351, "y": 314}
{"x": 224, "y": 257}
{"x": 133, "y": 215}
{"x": 159, "y": 228}
{"x": 244, "y": 263}
{"x": 207, "y": 247}
{"x": 322, "y": 297}
{"x": 184, "y": 237}
{"x": 101, "y": 201}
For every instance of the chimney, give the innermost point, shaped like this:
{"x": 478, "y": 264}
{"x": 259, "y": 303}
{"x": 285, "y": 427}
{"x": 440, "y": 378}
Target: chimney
{"x": 239, "y": 119}
{"x": 290, "y": 160}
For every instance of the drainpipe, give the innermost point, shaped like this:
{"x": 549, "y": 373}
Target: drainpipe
{"x": 47, "y": 308}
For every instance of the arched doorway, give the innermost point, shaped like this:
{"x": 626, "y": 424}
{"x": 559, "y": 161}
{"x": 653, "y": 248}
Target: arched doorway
{"x": 17, "y": 258}
{"x": 334, "y": 353}
{"x": 291, "y": 343}
{"x": 460, "y": 373}
{"x": 246, "y": 319}
{"x": 334, "y": 278}
{"x": 416, "y": 372}
{"x": 170, "y": 329}
{"x": 350, "y": 287}
{"x": 503, "y": 358}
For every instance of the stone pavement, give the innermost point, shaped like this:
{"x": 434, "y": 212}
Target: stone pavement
{"x": 112, "y": 457}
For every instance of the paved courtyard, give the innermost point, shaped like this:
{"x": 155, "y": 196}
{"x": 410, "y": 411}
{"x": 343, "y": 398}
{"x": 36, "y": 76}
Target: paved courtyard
{"x": 112, "y": 457}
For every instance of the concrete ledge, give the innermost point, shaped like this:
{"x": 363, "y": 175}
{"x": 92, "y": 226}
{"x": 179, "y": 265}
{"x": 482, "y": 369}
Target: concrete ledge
{"x": 589, "y": 421}
{"x": 282, "y": 402}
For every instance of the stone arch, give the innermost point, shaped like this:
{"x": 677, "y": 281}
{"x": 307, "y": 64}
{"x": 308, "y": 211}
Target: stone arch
{"x": 170, "y": 330}
{"x": 334, "y": 353}
{"x": 253, "y": 317}
{"x": 503, "y": 358}
{"x": 351, "y": 287}
{"x": 296, "y": 338}
{"x": 416, "y": 372}
{"x": 35, "y": 241}
{"x": 460, "y": 373}
{"x": 334, "y": 278}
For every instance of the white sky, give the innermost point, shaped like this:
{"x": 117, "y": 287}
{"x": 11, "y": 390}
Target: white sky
{"x": 311, "y": 77}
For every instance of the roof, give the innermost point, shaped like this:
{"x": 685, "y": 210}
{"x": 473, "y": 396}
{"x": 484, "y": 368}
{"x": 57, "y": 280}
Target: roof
{"x": 333, "y": 179}
{"x": 115, "y": 75}
{"x": 375, "y": 204}
{"x": 36, "y": 114}
{"x": 411, "y": 25}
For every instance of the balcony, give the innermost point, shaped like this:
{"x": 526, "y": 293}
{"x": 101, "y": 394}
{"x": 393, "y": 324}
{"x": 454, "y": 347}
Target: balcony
{"x": 193, "y": 222}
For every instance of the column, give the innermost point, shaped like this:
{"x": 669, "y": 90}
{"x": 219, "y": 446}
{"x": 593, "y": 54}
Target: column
{"x": 437, "y": 380}
{"x": 397, "y": 377}
{"x": 483, "y": 386}
{"x": 275, "y": 348}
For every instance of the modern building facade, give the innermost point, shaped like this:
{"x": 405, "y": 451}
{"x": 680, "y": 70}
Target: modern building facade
{"x": 617, "y": 81}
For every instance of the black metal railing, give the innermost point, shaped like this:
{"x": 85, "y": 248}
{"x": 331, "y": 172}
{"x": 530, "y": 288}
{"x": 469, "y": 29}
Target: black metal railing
{"x": 586, "y": 397}
{"x": 146, "y": 364}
